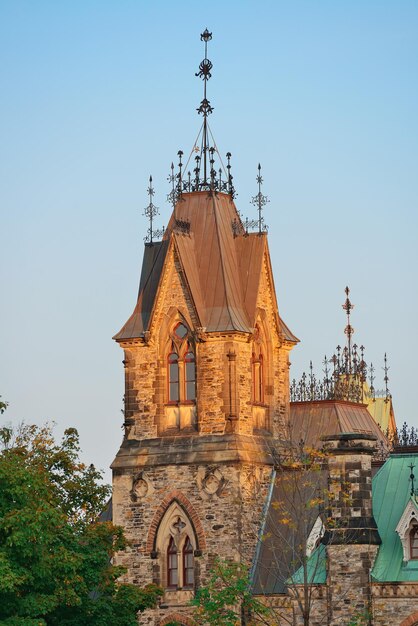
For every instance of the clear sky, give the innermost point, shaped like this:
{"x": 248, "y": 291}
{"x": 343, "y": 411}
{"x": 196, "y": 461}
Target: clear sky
{"x": 97, "y": 95}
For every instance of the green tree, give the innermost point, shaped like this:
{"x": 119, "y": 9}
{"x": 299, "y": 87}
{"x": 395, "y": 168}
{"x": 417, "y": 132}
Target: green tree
{"x": 226, "y": 600}
{"x": 55, "y": 556}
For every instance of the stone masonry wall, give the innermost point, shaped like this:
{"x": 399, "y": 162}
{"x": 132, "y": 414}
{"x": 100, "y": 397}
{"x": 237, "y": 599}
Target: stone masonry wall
{"x": 146, "y": 367}
{"x": 229, "y": 520}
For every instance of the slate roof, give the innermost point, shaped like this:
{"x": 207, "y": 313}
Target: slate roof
{"x": 221, "y": 270}
{"x": 278, "y": 554}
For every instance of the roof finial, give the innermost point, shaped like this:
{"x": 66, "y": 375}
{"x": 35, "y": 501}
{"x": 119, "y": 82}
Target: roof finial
{"x": 172, "y": 196}
{"x": 412, "y": 477}
{"x": 205, "y": 107}
{"x": 260, "y": 201}
{"x": 349, "y": 330}
{"x": 151, "y": 211}
{"x": 386, "y": 379}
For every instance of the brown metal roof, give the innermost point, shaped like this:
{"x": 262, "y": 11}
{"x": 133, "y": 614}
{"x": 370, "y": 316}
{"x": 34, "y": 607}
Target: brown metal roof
{"x": 312, "y": 420}
{"x": 222, "y": 271}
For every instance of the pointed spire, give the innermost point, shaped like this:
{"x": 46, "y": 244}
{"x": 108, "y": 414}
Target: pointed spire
{"x": 260, "y": 201}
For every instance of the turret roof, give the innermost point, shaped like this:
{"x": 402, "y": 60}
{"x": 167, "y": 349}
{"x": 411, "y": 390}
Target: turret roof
{"x": 221, "y": 265}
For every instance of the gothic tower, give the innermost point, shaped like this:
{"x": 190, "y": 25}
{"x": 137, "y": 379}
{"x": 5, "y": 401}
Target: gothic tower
{"x": 206, "y": 386}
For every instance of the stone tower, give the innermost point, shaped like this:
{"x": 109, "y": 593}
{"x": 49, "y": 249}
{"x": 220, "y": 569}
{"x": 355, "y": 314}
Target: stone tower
{"x": 206, "y": 389}
{"x": 353, "y": 538}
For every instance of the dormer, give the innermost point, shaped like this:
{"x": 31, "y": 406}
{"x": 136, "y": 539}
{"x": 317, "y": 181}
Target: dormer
{"x": 407, "y": 530}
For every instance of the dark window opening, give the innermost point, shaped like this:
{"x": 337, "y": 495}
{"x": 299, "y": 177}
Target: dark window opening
{"x": 180, "y": 331}
{"x": 172, "y": 564}
{"x": 413, "y": 542}
{"x": 173, "y": 377}
{"x": 190, "y": 376}
{"x": 188, "y": 564}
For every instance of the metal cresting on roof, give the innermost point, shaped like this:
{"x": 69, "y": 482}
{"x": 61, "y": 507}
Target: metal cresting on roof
{"x": 348, "y": 378}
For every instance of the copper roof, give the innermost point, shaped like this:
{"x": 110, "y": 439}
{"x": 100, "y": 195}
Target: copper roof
{"x": 313, "y": 419}
{"x": 222, "y": 271}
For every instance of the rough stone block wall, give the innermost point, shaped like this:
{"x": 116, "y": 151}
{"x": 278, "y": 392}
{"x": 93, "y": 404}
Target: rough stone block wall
{"x": 229, "y": 520}
{"x": 351, "y": 485}
{"x": 348, "y": 581}
{"x": 395, "y": 604}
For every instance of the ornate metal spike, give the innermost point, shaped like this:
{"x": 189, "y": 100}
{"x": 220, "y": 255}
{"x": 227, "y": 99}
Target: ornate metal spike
{"x": 231, "y": 189}
{"x": 412, "y": 478}
{"x": 205, "y": 107}
{"x": 151, "y": 211}
{"x": 260, "y": 201}
{"x": 172, "y": 196}
{"x": 386, "y": 379}
{"x": 371, "y": 378}
{"x": 197, "y": 173}
{"x": 349, "y": 330}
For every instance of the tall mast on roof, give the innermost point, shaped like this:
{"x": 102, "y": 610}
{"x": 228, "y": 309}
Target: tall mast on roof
{"x": 205, "y": 107}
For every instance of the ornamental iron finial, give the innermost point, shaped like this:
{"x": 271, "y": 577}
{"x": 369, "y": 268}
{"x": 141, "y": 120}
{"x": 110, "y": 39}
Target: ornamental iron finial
{"x": 412, "y": 478}
{"x": 349, "y": 330}
{"x": 260, "y": 201}
{"x": 346, "y": 380}
{"x": 152, "y": 211}
{"x": 205, "y": 108}
{"x": 205, "y": 175}
{"x": 386, "y": 369}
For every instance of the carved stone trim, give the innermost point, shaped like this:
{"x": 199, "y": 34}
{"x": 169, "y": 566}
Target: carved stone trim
{"x": 408, "y": 519}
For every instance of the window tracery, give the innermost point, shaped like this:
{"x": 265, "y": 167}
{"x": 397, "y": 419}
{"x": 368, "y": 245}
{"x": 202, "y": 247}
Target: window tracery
{"x": 176, "y": 546}
{"x": 181, "y": 366}
{"x": 257, "y": 363}
{"x": 413, "y": 542}
{"x": 407, "y": 530}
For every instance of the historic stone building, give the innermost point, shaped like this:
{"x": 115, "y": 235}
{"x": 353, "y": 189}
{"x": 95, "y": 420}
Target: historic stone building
{"x": 207, "y": 403}
{"x": 206, "y": 397}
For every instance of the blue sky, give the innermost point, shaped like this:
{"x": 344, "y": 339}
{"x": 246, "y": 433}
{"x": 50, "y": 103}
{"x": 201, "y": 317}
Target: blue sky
{"x": 96, "y": 96}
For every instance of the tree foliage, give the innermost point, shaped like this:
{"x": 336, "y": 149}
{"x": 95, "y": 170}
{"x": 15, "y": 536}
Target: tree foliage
{"x": 226, "y": 600}
{"x": 55, "y": 556}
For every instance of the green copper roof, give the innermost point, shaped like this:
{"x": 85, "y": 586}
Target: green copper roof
{"x": 391, "y": 493}
{"x": 316, "y": 569}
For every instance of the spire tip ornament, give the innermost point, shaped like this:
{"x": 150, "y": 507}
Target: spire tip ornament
{"x": 260, "y": 201}
{"x": 152, "y": 211}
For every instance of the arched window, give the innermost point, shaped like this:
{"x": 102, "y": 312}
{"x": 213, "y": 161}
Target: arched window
{"x": 172, "y": 564}
{"x": 413, "y": 542}
{"x": 257, "y": 364}
{"x": 188, "y": 564}
{"x": 181, "y": 366}
{"x": 173, "y": 377}
{"x": 258, "y": 382}
{"x": 190, "y": 376}
{"x": 175, "y": 546}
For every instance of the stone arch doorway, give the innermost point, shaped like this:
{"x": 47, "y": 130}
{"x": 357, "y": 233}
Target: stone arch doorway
{"x": 412, "y": 620}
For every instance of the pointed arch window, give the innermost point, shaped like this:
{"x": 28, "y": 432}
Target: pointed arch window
{"x": 190, "y": 376}
{"x": 188, "y": 563}
{"x": 258, "y": 377}
{"x": 173, "y": 377}
{"x": 172, "y": 565}
{"x": 413, "y": 542}
{"x": 181, "y": 366}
